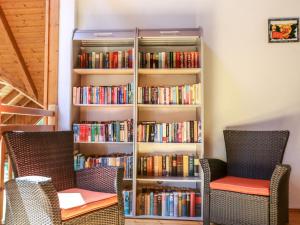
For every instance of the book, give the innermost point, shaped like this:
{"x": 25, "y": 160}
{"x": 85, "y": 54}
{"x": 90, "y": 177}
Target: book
{"x": 105, "y": 131}
{"x": 169, "y": 59}
{"x": 82, "y": 161}
{"x": 122, "y": 94}
{"x": 176, "y": 132}
{"x": 168, "y": 202}
{"x": 168, "y": 165}
{"x": 105, "y": 60}
{"x": 187, "y": 94}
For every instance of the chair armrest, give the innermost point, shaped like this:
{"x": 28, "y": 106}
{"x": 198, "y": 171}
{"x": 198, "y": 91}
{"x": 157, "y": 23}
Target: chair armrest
{"x": 279, "y": 194}
{"x": 32, "y": 200}
{"x": 101, "y": 179}
{"x": 213, "y": 169}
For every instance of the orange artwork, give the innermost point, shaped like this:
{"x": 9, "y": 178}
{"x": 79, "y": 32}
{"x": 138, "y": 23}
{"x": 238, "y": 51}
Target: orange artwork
{"x": 283, "y": 30}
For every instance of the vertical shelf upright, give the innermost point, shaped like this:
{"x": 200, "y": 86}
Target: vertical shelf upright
{"x": 104, "y": 41}
{"x": 170, "y": 40}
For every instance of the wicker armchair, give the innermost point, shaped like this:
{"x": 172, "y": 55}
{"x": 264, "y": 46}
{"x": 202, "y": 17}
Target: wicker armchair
{"x": 43, "y": 165}
{"x": 251, "y": 155}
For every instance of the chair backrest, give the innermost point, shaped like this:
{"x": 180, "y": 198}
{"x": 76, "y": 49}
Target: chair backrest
{"x": 254, "y": 154}
{"x": 48, "y": 154}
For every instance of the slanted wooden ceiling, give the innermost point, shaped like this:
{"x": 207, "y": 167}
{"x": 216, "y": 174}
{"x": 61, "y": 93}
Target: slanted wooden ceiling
{"x": 22, "y": 46}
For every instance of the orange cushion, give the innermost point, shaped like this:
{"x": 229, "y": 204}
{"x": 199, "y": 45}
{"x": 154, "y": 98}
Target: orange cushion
{"x": 242, "y": 185}
{"x": 75, "y": 202}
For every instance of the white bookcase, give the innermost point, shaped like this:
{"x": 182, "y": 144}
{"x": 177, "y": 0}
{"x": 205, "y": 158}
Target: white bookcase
{"x": 141, "y": 40}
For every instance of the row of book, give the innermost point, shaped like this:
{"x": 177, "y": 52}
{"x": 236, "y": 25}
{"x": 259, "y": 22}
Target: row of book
{"x": 127, "y": 198}
{"x": 108, "y": 131}
{"x": 182, "y": 94}
{"x": 169, "y": 203}
{"x": 122, "y": 94}
{"x": 82, "y": 161}
{"x": 169, "y": 165}
{"x": 176, "y": 132}
{"x": 169, "y": 59}
{"x": 105, "y": 60}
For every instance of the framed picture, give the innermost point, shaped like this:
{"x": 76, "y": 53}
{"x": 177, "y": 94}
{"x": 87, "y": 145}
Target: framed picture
{"x": 283, "y": 30}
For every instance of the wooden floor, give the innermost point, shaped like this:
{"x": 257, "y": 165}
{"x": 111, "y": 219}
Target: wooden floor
{"x": 294, "y": 220}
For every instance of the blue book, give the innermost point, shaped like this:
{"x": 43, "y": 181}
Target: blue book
{"x": 171, "y": 204}
{"x": 184, "y": 206}
{"x": 167, "y": 204}
{"x": 126, "y": 203}
{"x": 151, "y": 203}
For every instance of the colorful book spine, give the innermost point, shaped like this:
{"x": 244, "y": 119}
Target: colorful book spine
{"x": 169, "y": 59}
{"x": 127, "y": 198}
{"x": 108, "y": 131}
{"x": 121, "y": 160}
{"x": 159, "y": 165}
{"x": 176, "y": 132}
{"x": 122, "y": 94}
{"x": 105, "y": 60}
{"x": 169, "y": 203}
{"x": 172, "y": 95}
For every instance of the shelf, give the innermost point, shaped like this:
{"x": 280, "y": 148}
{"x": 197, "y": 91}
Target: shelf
{"x": 170, "y": 179}
{"x": 165, "y": 218}
{"x": 127, "y": 179}
{"x": 168, "y": 106}
{"x": 103, "y": 71}
{"x": 105, "y": 105}
{"x": 179, "y": 71}
{"x": 110, "y": 143}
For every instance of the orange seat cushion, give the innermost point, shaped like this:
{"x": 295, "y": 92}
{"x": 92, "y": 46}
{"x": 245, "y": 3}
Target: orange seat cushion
{"x": 242, "y": 185}
{"x": 75, "y": 202}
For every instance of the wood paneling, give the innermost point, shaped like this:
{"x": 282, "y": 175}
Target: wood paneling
{"x": 11, "y": 41}
{"x": 27, "y": 22}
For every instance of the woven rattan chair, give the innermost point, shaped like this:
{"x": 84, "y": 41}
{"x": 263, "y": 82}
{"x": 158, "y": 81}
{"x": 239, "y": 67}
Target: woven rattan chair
{"x": 250, "y": 155}
{"x": 43, "y": 165}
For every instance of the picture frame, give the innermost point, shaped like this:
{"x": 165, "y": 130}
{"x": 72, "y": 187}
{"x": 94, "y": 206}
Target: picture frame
{"x": 282, "y": 30}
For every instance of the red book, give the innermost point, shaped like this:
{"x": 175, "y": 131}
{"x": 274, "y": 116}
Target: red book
{"x": 197, "y": 65}
{"x": 185, "y": 59}
{"x": 115, "y": 59}
{"x": 130, "y": 58}
{"x": 151, "y": 60}
{"x": 124, "y": 94}
{"x": 198, "y": 202}
{"x": 101, "y": 95}
{"x": 192, "y": 204}
{"x": 81, "y": 132}
{"x": 111, "y": 59}
{"x": 177, "y": 59}
{"x": 193, "y": 59}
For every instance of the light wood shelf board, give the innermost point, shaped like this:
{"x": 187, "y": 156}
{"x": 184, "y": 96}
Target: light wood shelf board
{"x": 169, "y": 71}
{"x": 103, "y": 71}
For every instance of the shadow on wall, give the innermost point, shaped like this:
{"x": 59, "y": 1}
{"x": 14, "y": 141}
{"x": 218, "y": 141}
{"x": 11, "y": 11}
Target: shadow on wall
{"x": 292, "y": 154}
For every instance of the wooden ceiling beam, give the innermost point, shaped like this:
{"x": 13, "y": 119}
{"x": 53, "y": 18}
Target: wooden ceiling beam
{"x": 23, "y": 102}
{"x": 26, "y": 78}
{"x": 8, "y": 99}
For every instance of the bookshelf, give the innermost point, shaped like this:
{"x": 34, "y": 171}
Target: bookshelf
{"x": 145, "y": 41}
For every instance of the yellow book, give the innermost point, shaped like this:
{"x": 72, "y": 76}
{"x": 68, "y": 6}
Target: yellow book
{"x": 185, "y": 165}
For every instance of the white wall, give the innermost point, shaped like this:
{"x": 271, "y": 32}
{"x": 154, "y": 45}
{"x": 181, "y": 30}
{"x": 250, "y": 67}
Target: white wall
{"x": 249, "y": 83}
{"x": 67, "y": 24}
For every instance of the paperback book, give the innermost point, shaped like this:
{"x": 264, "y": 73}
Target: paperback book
{"x": 161, "y": 60}
{"x": 122, "y": 94}
{"x": 176, "y": 132}
{"x": 168, "y": 165}
{"x": 105, "y": 60}
{"x": 106, "y": 131}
